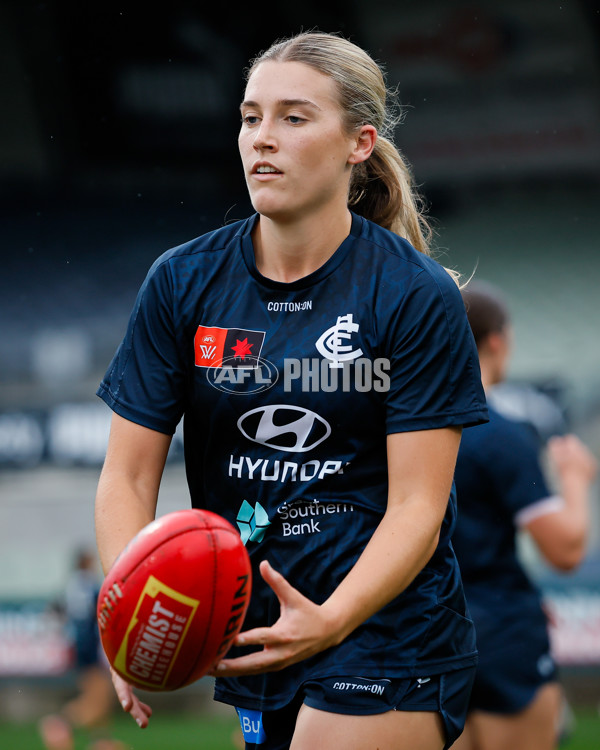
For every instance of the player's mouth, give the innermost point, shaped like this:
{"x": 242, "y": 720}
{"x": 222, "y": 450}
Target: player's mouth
{"x": 265, "y": 169}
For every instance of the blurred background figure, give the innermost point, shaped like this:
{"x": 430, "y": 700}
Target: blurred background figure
{"x": 92, "y": 707}
{"x": 502, "y": 488}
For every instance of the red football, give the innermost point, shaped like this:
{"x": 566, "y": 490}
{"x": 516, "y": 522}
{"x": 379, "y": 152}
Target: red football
{"x": 174, "y": 600}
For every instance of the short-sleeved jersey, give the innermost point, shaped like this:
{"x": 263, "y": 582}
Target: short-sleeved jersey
{"x": 288, "y": 391}
{"x": 498, "y": 475}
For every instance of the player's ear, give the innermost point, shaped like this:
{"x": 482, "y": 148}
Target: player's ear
{"x": 363, "y": 144}
{"x": 493, "y": 340}
{"x": 496, "y": 343}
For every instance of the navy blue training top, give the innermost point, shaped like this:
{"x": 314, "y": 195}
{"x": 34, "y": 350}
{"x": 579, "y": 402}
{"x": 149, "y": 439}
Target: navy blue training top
{"x": 498, "y": 475}
{"x": 288, "y": 391}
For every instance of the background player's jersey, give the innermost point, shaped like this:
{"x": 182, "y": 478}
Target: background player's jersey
{"x": 288, "y": 391}
{"x": 498, "y": 475}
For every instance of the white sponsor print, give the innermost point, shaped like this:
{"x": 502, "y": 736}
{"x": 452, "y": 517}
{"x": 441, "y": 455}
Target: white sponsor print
{"x": 288, "y": 428}
{"x": 333, "y": 344}
{"x": 311, "y": 512}
{"x": 377, "y": 687}
{"x": 289, "y": 306}
{"x": 292, "y": 429}
{"x": 267, "y": 470}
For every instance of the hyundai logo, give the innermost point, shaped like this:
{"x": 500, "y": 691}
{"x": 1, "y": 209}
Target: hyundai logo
{"x": 287, "y": 428}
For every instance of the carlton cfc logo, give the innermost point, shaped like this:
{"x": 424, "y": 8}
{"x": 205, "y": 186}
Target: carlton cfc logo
{"x": 287, "y": 428}
{"x": 333, "y": 344}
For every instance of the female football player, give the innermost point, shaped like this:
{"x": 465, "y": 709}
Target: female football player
{"x": 516, "y": 699}
{"x": 338, "y": 470}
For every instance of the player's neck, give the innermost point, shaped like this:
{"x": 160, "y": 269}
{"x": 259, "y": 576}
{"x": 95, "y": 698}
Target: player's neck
{"x": 489, "y": 377}
{"x": 288, "y": 251}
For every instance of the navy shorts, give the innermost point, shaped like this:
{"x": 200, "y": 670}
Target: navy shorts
{"x": 506, "y": 681}
{"x": 446, "y": 694}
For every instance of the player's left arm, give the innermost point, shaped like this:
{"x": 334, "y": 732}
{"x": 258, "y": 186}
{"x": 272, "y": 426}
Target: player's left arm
{"x": 420, "y": 470}
{"x": 561, "y": 535}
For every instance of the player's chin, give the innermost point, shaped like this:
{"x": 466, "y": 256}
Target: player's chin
{"x": 272, "y": 207}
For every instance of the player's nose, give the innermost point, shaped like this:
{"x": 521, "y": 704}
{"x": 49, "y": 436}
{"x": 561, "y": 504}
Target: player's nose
{"x": 264, "y": 137}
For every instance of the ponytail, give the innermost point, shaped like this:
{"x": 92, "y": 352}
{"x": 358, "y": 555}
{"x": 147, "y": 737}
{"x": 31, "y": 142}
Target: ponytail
{"x": 381, "y": 189}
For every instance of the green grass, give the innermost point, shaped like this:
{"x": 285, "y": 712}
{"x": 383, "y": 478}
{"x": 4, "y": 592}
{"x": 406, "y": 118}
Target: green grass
{"x": 167, "y": 732}
{"x": 182, "y": 732}
{"x": 586, "y": 733}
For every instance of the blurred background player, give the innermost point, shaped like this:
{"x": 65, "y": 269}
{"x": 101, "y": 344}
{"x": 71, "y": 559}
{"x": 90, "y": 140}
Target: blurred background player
{"x": 91, "y": 709}
{"x": 516, "y": 700}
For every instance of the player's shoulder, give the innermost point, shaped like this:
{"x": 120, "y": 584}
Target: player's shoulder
{"x": 205, "y": 244}
{"x": 501, "y": 434}
{"x": 398, "y": 253}
{"x": 407, "y": 274}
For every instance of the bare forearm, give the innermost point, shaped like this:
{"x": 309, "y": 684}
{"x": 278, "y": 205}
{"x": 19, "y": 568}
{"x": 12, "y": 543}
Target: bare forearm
{"x": 128, "y": 488}
{"x": 420, "y": 470}
{"x": 398, "y": 550}
{"x": 120, "y": 514}
{"x": 575, "y": 490}
{"x": 575, "y": 516}
{"x": 562, "y": 536}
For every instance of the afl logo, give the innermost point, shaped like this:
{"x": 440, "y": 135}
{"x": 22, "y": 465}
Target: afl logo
{"x": 209, "y": 339}
{"x": 230, "y": 377}
{"x": 286, "y": 428}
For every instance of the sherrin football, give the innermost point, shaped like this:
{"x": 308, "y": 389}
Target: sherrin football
{"x": 174, "y": 600}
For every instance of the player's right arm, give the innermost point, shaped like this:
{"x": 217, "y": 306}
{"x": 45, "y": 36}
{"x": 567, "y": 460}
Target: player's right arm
{"x": 125, "y": 503}
{"x": 128, "y": 487}
{"x": 561, "y": 535}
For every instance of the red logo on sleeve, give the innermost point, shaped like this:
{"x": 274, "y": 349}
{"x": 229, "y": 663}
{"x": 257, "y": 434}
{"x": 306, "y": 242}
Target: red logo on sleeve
{"x": 227, "y": 347}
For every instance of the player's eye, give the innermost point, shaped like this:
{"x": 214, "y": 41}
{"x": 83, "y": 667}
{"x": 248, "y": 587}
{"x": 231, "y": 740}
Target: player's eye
{"x": 249, "y": 119}
{"x": 295, "y": 119}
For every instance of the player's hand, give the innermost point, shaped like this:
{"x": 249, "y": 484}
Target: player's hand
{"x": 570, "y": 457}
{"x": 302, "y": 630}
{"x": 141, "y": 712}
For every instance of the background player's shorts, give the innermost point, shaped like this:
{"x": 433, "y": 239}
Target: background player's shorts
{"x": 446, "y": 694}
{"x": 507, "y": 679}
{"x": 87, "y": 645}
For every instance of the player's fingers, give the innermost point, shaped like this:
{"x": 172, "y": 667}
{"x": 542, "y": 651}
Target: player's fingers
{"x": 284, "y": 591}
{"x": 567, "y": 452}
{"x": 145, "y": 708}
{"x": 123, "y": 690}
{"x": 141, "y": 712}
{"x": 257, "y": 663}
{"x": 256, "y": 637}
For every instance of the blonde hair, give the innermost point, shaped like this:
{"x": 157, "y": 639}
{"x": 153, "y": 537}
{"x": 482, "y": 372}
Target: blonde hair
{"x": 382, "y": 188}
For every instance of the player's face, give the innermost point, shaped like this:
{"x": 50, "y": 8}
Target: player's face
{"x": 293, "y": 147}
